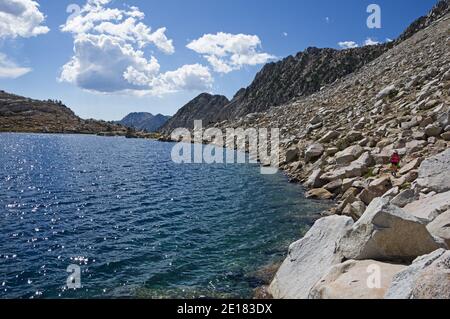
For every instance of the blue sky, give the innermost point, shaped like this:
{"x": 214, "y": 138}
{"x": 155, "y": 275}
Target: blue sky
{"x": 268, "y": 30}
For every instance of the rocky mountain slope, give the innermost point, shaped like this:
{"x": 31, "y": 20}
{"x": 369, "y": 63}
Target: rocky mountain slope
{"x": 21, "y": 114}
{"x": 203, "y": 107}
{"x": 301, "y": 75}
{"x": 339, "y": 141}
{"x": 143, "y": 121}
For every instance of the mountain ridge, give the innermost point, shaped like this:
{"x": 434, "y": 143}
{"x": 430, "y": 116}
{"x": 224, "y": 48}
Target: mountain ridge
{"x": 144, "y": 121}
{"x": 22, "y": 114}
{"x": 203, "y": 107}
{"x": 299, "y": 75}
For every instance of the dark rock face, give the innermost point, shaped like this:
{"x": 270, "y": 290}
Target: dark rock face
{"x": 438, "y": 11}
{"x": 277, "y": 83}
{"x": 144, "y": 121}
{"x": 300, "y": 75}
{"x": 307, "y": 72}
{"x": 204, "y": 107}
{"x": 21, "y": 114}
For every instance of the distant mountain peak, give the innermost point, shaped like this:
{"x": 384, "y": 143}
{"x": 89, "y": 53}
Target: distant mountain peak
{"x": 203, "y": 107}
{"x": 144, "y": 121}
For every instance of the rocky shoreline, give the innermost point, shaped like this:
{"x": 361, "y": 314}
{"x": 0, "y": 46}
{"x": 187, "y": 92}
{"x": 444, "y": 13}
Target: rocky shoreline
{"x": 338, "y": 143}
{"x": 407, "y": 247}
{"x": 387, "y": 236}
{"x": 397, "y": 227}
{"x": 19, "y": 114}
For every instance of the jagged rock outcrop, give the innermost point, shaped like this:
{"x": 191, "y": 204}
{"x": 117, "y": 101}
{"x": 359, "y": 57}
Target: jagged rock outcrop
{"x": 204, "y": 107}
{"x": 300, "y": 75}
{"x": 21, "y": 114}
{"x": 306, "y": 73}
{"x": 438, "y": 11}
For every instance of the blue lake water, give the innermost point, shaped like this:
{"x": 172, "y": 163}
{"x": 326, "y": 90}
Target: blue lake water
{"x": 136, "y": 223}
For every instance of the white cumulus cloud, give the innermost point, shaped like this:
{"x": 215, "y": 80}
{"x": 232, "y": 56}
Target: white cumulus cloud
{"x": 108, "y": 64}
{"x": 109, "y": 54}
{"x": 21, "y": 18}
{"x": 194, "y": 77}
{"x": 370, "y": 41}
{"x": 348, "y": 44}
{"x": 9, "y": 69}
{"x": 228, "y": 52}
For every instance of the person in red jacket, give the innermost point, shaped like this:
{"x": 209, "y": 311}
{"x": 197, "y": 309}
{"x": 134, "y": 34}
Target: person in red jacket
{"x": 395, "y": 163}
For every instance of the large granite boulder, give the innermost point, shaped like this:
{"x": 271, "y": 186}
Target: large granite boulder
{"x": 410, "y": 166}
{"x": 432, "y": 173}
{"x": 330, "y": 136}
{"x": 292, "y": 155}
{"x": 310, "y": 258}
{"x": 440, "y": 227}
{"x": 380, "y": 186}
{"x": 367, "y": 279}
{"x": 349, "y": 155}
{"x": 319, "y": 193}
{"x": 429, "y": 208}
{"x": 386, "y": 232}
{"x": 313, "y": 152}
{"x": 356, "y": 169}
{"x": 427, "y": 278}
{"x": 314, "y": 180}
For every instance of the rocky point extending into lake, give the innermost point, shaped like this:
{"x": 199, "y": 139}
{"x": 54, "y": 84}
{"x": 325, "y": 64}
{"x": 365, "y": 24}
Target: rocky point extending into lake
{"x": 25, "y": 115}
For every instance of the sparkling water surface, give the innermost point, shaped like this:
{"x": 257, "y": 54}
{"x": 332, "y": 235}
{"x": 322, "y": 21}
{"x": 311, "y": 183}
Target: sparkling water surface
{"x": 137, "y": 224}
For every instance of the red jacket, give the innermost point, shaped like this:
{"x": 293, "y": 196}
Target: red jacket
{"x": 395, "y": 159}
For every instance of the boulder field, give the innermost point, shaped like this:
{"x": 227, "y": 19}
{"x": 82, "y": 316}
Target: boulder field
{"x": 389, "y": 252}
{"x": 388, "y": 235}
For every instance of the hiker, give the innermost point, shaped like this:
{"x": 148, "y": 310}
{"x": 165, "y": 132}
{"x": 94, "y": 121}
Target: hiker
{"x": 395, "y": 163}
